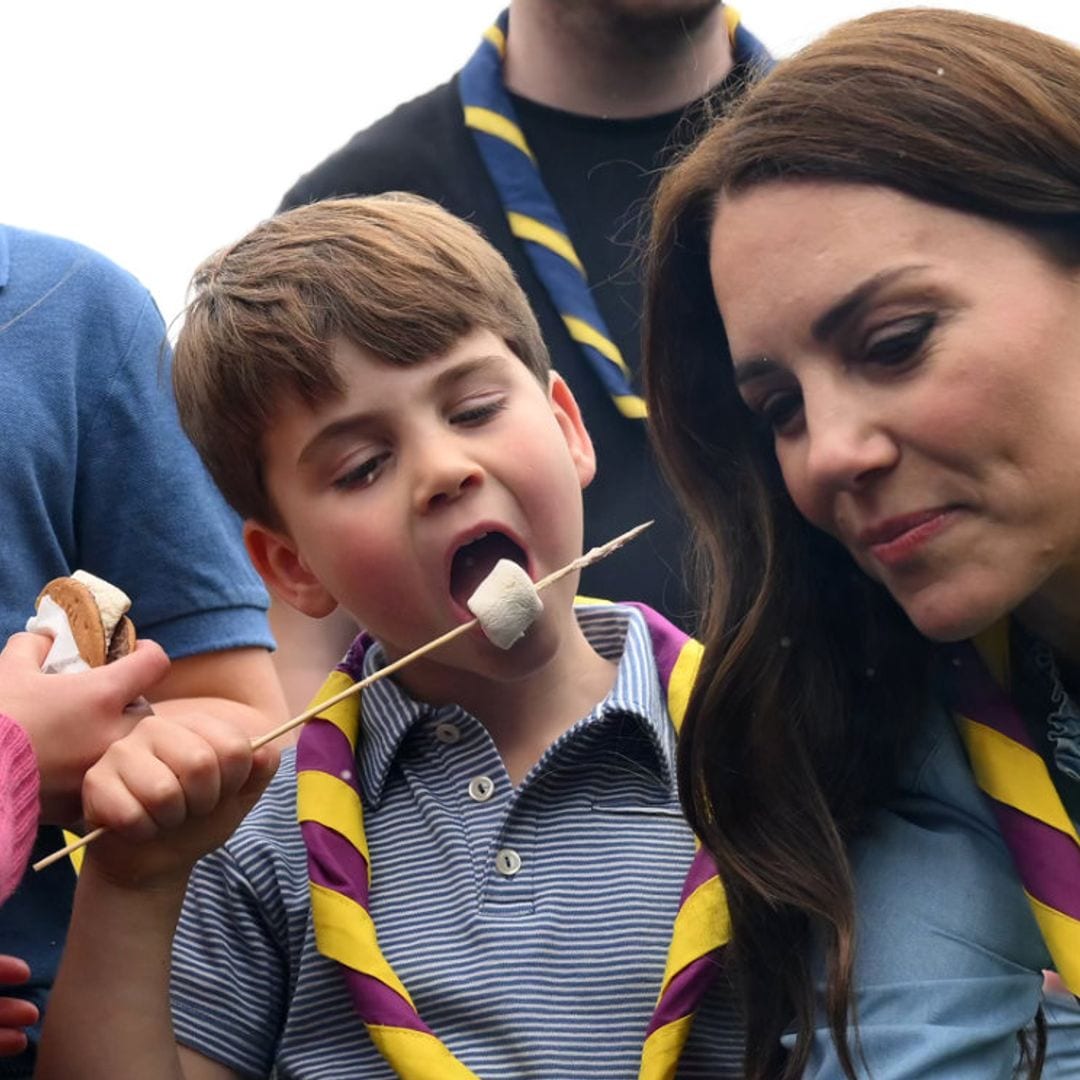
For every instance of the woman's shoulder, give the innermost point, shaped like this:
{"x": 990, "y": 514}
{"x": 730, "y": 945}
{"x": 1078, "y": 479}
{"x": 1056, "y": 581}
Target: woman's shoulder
{"x": 936, "y": 889}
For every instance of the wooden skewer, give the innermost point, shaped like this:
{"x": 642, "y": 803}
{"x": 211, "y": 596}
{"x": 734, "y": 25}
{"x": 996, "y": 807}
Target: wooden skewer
{"x": 591, "y": 556}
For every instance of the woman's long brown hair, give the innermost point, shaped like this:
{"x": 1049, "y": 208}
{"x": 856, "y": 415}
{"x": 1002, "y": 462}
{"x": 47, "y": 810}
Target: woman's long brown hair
{"x": 812, "y": 678}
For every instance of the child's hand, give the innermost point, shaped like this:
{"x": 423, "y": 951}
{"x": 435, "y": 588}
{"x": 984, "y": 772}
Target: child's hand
{"x": 72, "y": 718}
{"x": 15, "y": 1014}
{"x": 181, "y": 785}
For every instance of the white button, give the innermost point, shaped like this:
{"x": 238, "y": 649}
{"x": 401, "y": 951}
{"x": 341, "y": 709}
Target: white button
{"x": 481, "y": 788}
{"x": 507, "y": 862}
{"x": 446, "y": 732}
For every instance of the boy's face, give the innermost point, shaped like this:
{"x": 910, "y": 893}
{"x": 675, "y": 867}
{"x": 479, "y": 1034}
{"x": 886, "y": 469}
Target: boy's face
{"x": 398, "y": 498}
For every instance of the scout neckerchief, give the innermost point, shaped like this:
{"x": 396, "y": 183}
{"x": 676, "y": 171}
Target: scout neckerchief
{"x": 531, "y": 212}
{"x": 1037, "y": 829}
{"x": 332, "y": 822}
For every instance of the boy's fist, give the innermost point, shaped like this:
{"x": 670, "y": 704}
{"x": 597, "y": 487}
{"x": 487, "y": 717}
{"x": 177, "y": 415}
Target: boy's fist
{"x": 179, "y": 784}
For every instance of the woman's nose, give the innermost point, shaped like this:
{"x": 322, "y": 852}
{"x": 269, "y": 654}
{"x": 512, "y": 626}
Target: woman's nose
{"x": 846, "y": 445}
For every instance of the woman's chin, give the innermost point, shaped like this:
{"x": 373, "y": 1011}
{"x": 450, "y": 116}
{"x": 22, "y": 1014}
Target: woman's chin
{"x": 946, "y": 612}
{"x": 948, "y": 619}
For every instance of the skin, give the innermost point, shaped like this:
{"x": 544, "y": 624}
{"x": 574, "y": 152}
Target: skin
{"x": 376, "y": 490}
{"x": 71, "y": 719}
{"x": 616, "y": 58}
{"x": 620, "y": 59}
{"x": 425, "y": 457}
{"x": 194, "y": 756}
{"x": 15, "y": 1014}
{"x": 940, "y": 412}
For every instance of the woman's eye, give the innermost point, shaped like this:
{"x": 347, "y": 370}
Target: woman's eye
{"x": 899, "y": 342}
{"x": 361, "y": 475}
{"x": 478, "y": 412}
{"x": 780, "y": 410}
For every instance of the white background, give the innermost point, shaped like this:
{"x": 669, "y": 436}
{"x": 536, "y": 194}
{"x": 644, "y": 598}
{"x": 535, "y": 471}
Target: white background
{"x": 158, "y": 130}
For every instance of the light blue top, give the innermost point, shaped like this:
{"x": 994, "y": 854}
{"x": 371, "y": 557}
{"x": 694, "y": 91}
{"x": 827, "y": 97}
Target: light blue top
{"x": 949, "y": 956}
{"x": 543, "y": 963}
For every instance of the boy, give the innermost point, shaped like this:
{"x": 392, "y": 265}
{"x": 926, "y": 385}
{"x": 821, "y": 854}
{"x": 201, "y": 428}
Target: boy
{"x": 368, "y": 386}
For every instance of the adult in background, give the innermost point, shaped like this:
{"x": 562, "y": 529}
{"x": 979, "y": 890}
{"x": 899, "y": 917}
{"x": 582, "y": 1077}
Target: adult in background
{"x": 550, "y": 140}
{"x": 96, "y": 474}
{"x": 863, "y": 368}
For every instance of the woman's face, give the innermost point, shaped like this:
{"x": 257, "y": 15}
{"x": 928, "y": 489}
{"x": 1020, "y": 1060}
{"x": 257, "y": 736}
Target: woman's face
{"x": 919, "y": 370}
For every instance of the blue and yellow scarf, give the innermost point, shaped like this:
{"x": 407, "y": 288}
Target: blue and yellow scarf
{"x": 531, "y": 212}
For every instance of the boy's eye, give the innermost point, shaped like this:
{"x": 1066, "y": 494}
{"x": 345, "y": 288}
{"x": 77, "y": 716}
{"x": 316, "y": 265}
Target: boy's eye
{"x": 360, "y": 475}
{"x": 476, "y": 412}
{"x": 899, "y": 342}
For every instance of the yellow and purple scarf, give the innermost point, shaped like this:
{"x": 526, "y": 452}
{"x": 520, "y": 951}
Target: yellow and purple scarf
{"x": 339, "y": 867}
{"x": 1038, "y": 831}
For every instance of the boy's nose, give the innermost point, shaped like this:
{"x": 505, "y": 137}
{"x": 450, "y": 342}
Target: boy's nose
{"x": 445, "y": 475}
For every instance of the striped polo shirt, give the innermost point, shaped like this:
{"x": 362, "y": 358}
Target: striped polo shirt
{"x": 529, "y": 924}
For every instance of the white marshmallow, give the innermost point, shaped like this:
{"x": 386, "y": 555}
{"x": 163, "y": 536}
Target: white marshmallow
{"x": 506, "y": 603}
{"x": 112, "y": 602}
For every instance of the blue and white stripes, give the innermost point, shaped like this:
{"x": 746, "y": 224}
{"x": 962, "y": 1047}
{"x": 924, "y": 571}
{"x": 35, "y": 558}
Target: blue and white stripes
{"x": 551, "y": 971}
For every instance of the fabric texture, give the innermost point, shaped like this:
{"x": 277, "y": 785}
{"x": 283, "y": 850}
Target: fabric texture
{"x": 18, "y": 803}
{"x": 532, "y": 213}
{"x": 599, "y": 174}
{"x": 1037, "y": 828}
{"x": 329, "y": 805}
{"x": 949, "y": 960}
{"x": 96, "y": 473}
{"x": 552, "y": 970}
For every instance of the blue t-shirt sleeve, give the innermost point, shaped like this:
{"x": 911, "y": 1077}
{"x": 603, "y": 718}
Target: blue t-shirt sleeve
{"x": 150, "y": 519}
{"x": 948, "y": 953}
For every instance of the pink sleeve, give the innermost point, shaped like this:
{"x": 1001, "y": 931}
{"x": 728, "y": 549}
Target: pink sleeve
{"x": 18, "y": 803}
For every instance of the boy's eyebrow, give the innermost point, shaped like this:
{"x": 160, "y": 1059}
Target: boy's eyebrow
{"x": 466, "y": 367}
{"x": 338, "y": 429}
{"x": 845, "y": 311}
{"x": 355, "y": 423}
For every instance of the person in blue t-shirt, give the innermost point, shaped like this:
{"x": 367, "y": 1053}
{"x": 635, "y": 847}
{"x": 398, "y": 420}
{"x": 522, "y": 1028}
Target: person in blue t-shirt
{"x": 98, "y": 475}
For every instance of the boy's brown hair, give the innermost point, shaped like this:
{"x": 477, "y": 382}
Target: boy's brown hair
{"x": 393, "y": 274}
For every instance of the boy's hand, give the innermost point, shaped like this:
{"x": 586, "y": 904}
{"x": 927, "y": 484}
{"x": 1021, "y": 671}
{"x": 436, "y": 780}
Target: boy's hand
{"x": 15, "y": 1014}
{"x": 180, "y": 785}
{"x": 72, "y": 718}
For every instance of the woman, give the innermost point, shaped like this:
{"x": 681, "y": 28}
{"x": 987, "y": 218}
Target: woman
{"x": 863, "y": 372}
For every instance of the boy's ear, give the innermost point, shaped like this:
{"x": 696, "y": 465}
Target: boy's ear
{"x": 286, "y": 574}
{"x": 573, "y": 428}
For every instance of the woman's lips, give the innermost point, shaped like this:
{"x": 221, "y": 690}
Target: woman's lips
{"x": 896, "y": 540}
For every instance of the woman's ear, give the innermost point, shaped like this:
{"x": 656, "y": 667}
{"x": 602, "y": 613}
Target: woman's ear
{"x": 573, "y": 428}
{"x": 286, "y": 574}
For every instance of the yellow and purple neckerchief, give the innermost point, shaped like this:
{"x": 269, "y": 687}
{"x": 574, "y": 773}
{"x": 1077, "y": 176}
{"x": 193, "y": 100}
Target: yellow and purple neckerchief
{"x": 1037, "y": 829}
{"x": 332, "y": 823}
{"x": 531, "y": 212}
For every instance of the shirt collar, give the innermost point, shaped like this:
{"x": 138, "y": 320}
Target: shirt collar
{"x": 616, "y": 632}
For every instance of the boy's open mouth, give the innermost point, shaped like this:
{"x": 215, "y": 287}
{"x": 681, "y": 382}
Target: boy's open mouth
{"x": 475, "y": 560}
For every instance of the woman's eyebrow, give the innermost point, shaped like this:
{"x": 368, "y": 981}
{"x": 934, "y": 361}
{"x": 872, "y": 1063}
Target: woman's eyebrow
{"x": 757, "y": 367}
{"x": 846, "y": 310}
